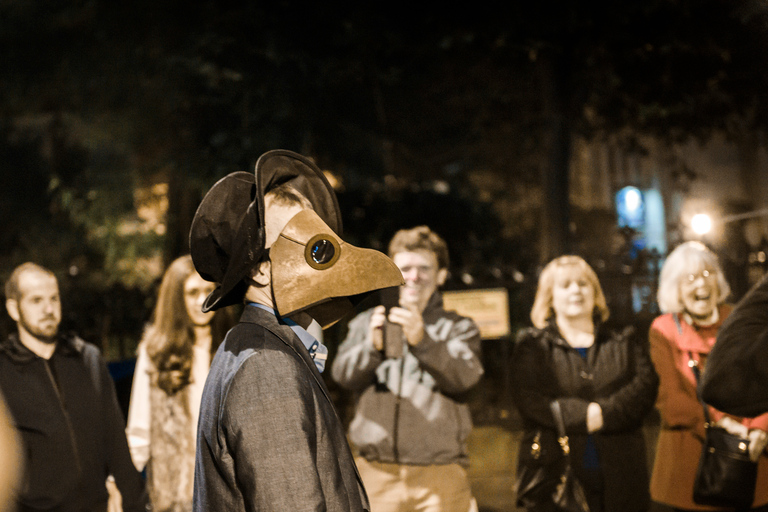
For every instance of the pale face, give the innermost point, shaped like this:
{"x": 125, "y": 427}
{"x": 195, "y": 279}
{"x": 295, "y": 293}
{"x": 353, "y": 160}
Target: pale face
{"x": 196, "y": 289}
{"x": 699, "y": 292}
{"x": 38, "y": 311}
{"x": 573, "y": 296}
{"x": 276, "y": 216}
{"x": 422, "y": 277}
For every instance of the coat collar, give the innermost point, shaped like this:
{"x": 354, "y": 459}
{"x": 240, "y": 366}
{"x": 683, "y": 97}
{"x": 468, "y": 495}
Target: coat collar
{"x": 691, "y": 338}
{"x": 66, "y": 344}
{"x": 286, "y": 335}
{"x": 552, "y": 332}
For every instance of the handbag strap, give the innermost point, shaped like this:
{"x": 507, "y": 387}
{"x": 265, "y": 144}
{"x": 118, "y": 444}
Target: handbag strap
{"x": 679, "y": 326}
{"x": 693, "y": 364}
{"x": 562, "y": 438}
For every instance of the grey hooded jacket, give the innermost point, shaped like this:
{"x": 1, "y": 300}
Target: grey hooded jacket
{"x": 411, "y": 409}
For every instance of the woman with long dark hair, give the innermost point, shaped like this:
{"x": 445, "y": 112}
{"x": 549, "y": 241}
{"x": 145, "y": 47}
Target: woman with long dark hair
{"x": 174, "y": 356}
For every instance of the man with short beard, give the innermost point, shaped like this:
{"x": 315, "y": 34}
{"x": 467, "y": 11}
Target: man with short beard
{"x": 63, "y": 403}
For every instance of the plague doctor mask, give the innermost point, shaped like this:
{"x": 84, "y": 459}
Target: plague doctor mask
{"x": 315, "y": 271}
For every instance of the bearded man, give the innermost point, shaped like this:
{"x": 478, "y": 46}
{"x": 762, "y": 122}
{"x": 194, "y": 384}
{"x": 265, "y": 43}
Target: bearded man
{"x": 63, "y": 403}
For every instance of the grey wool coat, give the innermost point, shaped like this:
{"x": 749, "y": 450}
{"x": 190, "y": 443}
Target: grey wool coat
{"x": 269, "y": 437}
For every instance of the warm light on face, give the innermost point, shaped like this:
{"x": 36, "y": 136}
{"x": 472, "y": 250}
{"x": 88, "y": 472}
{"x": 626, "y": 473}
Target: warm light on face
{"x": 196, "y": 289}
{"x": 39, "y": 308}
{"x": 701, "y": 223}
{"x": 699, "y": 292}
{"x": 573, "y": 296}
{"x": 422, "y": 276}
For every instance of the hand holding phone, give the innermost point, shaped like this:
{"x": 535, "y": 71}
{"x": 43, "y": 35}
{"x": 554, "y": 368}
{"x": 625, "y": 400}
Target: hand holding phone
{"x": 392, "y": 332}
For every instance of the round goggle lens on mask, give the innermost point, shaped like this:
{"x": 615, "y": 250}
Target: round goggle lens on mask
{"x": 322, "y": 251}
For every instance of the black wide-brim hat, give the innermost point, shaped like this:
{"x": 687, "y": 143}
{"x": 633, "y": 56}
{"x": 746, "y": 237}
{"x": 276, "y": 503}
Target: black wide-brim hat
{"x": 227, "y": 236}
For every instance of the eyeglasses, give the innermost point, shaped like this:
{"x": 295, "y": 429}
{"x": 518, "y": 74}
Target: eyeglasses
{"x": 704, "y": 274}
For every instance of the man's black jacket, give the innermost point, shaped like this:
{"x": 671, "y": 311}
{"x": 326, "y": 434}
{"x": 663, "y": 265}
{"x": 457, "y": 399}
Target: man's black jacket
{"x": 72, "y": 430}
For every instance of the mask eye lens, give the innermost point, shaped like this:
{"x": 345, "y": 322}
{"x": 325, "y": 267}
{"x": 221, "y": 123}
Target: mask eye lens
{"x": 322, "y": 252}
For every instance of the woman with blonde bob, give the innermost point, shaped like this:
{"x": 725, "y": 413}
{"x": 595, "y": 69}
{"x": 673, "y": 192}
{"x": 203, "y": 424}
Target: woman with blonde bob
{"x": 692, "y": 294}
{"x": 174, "y": 356}
{"x": 601, "y": 378}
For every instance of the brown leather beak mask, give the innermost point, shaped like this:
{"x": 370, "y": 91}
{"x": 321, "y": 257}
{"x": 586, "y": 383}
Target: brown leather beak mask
{"x": 315, "y": 271}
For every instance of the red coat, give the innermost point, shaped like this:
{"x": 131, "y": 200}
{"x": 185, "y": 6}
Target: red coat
{"x": 682, "y": 418}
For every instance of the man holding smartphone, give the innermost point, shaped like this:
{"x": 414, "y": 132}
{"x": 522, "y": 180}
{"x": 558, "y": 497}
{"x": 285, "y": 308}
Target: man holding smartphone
{"x": 412, "y": 361}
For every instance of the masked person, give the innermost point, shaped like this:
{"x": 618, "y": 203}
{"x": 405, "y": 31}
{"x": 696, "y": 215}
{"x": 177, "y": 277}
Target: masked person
{"x": 410, "y": 424}
{"x": 269, "y": 437}
{"x": 63, "y": 403}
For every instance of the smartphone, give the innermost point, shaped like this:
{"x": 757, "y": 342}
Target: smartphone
{"x": 393, "y": 333}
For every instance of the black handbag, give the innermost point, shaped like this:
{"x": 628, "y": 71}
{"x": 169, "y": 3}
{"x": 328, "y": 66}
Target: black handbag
{"x": 726, "y": 476}
{"x": 546, "y": 480}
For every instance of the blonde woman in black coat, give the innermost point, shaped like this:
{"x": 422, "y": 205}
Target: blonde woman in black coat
{"x": 603, "y": 381}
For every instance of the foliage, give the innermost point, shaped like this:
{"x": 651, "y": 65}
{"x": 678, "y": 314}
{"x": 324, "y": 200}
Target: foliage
{"x": 102, "y": 100}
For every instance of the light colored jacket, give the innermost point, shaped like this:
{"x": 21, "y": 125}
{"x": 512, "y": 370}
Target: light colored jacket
{"x": 139, "y": 411}
{"x": 411, "y": 409}
{"x": 161, "y": 429}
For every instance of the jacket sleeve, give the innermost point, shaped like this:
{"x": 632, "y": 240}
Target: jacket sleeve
{"x": 535, "y": 386}
{"x": 354, "y": 367}
{"x": 758, "y": 422}
{"x": 137, "y": 429}
{"x": 119, "y": 462}
{"x": 677, "y": 402}
{"x": 273, "y": 439}
{"x": 626, "y": 408}
{"x": 736, "y": 376}
{"x": 452, "y": 360}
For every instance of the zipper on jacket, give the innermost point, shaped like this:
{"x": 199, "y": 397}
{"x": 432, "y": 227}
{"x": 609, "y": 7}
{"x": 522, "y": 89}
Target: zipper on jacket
{"x": 398, "y": 395}
{"x": 68, "y": 421}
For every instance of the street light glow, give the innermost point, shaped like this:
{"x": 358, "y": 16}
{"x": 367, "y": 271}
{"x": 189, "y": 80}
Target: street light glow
{"x": 701, "y": 224}
{"x": 633, "y": 199}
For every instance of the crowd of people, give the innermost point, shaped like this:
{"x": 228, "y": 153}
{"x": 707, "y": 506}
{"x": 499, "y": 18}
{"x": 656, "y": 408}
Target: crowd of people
{"x": 234, "y": 414}
{"x": 606, "y": 380}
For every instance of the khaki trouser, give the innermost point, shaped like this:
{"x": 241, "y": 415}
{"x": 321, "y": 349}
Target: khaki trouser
{"x": 405, "y": 488}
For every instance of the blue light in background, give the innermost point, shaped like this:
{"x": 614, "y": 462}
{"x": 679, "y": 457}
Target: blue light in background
{"x": 630, "y": 206}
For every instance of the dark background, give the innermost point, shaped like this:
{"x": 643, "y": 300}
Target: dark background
{"x": 116, "y": 118}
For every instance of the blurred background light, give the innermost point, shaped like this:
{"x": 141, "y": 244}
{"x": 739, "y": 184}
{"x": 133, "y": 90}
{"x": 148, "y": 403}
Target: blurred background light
{"x": 701, "y": 224}
{"x": 630, "y": 207}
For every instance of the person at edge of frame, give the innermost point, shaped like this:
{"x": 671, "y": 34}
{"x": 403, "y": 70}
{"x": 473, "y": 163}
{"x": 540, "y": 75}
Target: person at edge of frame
{"x": 692, "y": 296}
{"x": 64, "y": 405}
